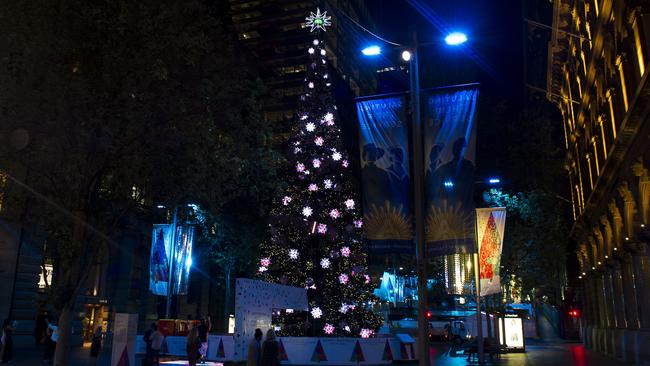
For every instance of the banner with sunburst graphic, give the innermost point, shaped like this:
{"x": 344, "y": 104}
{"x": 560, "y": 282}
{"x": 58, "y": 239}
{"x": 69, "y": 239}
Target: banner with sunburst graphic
{"x": 450, "y": 155}
{"x": 385, "y": 174}
{"x": 490, "y": 226}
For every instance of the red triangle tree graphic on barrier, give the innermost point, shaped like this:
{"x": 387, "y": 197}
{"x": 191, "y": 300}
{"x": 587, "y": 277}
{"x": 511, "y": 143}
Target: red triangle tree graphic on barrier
{"x": 282, "y": 353}
{"x": 388, "y": 353}
{"x": 124, "y": 358}
{"x": 319, "y": 353}
{"x": 220, "y": 351}
{"x": 404, "y": 352}
{"x": 357, "y": 353}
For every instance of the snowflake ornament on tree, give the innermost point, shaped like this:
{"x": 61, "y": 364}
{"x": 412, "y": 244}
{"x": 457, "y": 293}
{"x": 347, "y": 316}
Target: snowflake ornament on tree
{"x": 366, "y": 333}
{"x": 325, "y": 263}
{"x": 328, "y": 329}
{"x": 345, "y": 252}
{"x": 328, "y": 119}
{"x": 316, "y": 312}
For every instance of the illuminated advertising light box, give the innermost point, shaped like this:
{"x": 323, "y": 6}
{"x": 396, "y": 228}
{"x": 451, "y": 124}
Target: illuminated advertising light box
{"x": 511, "y": 332}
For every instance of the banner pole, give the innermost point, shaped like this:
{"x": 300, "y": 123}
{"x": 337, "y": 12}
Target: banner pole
{"x": 477, "y": 270}
{"x": 418, "y": 187}
{"x": 170, "y": 283}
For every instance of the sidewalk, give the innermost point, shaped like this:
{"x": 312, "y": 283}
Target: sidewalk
{"x": 77, "y": 357}
{"x": 81, "y": 357}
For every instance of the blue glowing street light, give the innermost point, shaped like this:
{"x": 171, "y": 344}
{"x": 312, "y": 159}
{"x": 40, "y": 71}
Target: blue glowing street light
{"x": 456, "y": 38}
{"x": 373, "y": 50}
{"x": 494, "y": 180}
{"x": 452, "y": 39}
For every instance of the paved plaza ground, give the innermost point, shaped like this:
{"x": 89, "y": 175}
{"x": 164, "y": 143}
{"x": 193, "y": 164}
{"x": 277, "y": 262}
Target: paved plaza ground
{"x": 538, "y": 353}
{"x": 548, "y": 350}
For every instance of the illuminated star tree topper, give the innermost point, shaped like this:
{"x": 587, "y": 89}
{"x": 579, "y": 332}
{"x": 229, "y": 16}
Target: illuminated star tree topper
{"x": 318, "y": 20}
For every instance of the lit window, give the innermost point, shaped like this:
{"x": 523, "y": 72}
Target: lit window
{"x": 591, "y": 177}
{"x": 45, "y": 278}
{"x": 249, "y": 35}
{"x": 601, "y": 123}
{"x": 612, "y": 116}
{"x": 638, "y": 45}
{"x": 621, "y": 73}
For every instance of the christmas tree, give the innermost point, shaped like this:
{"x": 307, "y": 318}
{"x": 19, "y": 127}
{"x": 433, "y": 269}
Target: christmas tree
{"x": 315, "y": 234}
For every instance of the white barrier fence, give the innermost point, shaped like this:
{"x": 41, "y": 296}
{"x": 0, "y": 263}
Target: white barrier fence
{"x": 304, "y": 350}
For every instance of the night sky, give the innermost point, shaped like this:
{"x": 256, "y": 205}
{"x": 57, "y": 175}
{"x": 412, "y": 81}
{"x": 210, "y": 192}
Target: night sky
{"x": 494, "y": 56}
{"x": 494, "y": 28}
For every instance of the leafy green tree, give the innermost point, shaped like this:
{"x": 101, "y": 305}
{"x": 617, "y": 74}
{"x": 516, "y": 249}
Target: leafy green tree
{"x": 534, "y": 186}
{"x": 125, "y": 104}
{"x": 535, "y": 242}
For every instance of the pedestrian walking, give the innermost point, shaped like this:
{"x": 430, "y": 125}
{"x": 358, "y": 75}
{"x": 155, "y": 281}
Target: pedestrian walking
{"x": 95, "y": 346}
{"x": 255, "y": 349}
{"x": 52, "y": 336}
{"x": 192, "y": 346}
{"x": 147, "y": 342}
{"x": 157, "y": 339}
{"x": 270, "y": 350}
{"x": 204, "y": 330}
{"x": 7, "y": 341}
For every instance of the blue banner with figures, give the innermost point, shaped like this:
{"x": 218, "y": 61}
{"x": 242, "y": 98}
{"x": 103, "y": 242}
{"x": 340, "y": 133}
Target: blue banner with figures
{"x": 162, "y": 252}
{"x": 450, "y": 159}
{"x": 385, "y": 175}
{"x": 161, "y": 240}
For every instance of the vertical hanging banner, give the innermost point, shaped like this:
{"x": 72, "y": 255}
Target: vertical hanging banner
{"x": 183, "y": 258}
{"x": 161, "y": 258}
{"x": 490, "y": 226}
{"x": 385, "y": 175}
{"x": 450, "y": 155}
{"x": 161, "y": 244}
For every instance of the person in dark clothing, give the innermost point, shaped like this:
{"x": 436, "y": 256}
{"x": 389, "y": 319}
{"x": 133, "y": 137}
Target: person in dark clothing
{"x": 270, "y": 350}
{"x": 255, "y": 349}
{"x": 7, "y": 341}
{"x": 204, "y": 330}
{"x": 95, "y": 346}
{"x": 52, "y": 336}
{"x": 147, "y": 342}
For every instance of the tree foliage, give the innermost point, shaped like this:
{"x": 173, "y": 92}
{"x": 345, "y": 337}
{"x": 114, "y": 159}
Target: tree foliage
{"x": 314, "y": 241}
{"x": 535, "y": 242}
{"x": 537, "y": 225}
{"x": 125, "y": 104}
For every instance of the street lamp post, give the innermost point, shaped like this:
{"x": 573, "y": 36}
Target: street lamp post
{"x": 410, "y": 55}
{"x": 418, "y": 188}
